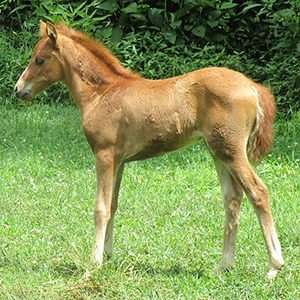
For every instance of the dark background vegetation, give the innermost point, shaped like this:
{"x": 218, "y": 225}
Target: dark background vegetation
{"x": 160, "y": 39}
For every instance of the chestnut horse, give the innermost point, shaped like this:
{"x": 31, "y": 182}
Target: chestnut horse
{"x": 126, "y": 117}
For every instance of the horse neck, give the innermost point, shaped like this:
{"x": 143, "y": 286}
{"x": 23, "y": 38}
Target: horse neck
{"x": 85, "y": 75}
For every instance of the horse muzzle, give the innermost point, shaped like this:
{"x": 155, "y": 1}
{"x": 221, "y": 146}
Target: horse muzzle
{"x": 22, "y": 92}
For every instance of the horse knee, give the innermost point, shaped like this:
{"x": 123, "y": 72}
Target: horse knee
{"x": 101, "y": 216}
{"x": 232, "y": 199}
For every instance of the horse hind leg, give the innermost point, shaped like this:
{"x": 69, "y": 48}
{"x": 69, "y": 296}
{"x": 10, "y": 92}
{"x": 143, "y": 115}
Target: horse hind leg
{"x": 257, "y": 194}
{"x": 232, "y": 195}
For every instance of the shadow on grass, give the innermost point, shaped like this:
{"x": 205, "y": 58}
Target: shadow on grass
{"x": 177, "y": 269}
{"x": 69, "y": 270}
{"x": 173, "y": 271}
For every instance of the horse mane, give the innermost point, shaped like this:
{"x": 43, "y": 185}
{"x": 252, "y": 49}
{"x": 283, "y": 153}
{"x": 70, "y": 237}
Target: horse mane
{"x": 95, "y": 47}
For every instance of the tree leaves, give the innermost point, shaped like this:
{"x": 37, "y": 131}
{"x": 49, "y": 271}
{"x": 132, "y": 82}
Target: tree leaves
{"x": 199, "y": 31}
{"x": 255, "y": 25}
{"x": 228, "y": 5}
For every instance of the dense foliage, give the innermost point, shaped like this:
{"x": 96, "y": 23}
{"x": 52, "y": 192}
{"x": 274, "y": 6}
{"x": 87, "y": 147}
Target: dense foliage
{"x": 166, "y": 38}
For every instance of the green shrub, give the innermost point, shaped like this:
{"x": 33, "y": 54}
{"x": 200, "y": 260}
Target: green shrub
{"x": 13, "y": 57}
{"x": 167, "y": 38}
{"x": 257, "y": 26}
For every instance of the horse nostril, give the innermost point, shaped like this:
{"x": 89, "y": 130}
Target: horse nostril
{"x": 16, "y": 89}
{"x": 24, "y": 96}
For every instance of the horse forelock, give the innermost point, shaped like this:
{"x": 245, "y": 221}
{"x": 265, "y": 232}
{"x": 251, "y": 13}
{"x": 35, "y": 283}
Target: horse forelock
{"x": 93, "y": 46}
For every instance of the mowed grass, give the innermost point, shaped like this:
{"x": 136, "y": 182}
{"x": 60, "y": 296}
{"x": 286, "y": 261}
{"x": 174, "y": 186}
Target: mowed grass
{"x": 169, "y": 225}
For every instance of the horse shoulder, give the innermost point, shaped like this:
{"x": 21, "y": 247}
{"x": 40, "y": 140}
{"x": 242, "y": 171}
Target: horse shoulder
{"x": 100, "y": 120}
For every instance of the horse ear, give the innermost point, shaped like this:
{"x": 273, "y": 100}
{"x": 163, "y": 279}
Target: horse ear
{"x": 51, "y": 32}
{"x": 42, "y": 28}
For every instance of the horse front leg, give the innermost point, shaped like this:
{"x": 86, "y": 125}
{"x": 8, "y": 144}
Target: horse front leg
{"x": 108, "y": 245}
{"x": 106, "y": 171}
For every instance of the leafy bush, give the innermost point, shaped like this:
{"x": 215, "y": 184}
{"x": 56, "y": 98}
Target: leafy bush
{"x": 13, "y": 58}
{"x": 253, "y": 24}
{"x": 168, "y": 38}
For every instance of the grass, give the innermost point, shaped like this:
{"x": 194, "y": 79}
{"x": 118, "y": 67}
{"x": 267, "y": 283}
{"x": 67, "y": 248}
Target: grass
{"x": 168, "y": 229}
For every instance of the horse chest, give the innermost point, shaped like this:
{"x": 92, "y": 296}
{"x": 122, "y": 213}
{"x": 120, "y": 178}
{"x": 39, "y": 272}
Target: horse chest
{"x": 100, "y": 128}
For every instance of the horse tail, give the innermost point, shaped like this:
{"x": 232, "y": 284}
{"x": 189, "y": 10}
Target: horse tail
{"x": 261, "y": 136}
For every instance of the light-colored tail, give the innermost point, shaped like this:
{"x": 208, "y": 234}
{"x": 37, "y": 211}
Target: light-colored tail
{"x": 261, "y": 136}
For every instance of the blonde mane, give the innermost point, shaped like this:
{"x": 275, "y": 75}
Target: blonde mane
{"x": 93, "y": 46}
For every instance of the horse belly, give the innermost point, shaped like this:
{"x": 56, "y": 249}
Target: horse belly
{"x": 159, "y": 147}
{"x": 159, "y": 142}
{"x": 159, "y": 123}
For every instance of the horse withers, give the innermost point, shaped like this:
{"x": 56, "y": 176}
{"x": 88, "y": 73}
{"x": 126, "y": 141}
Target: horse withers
{"x": 126, "y": 117}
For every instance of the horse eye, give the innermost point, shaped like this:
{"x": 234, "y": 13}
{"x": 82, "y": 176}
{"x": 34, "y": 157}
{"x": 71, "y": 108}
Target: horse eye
{"x": 39, "y": 61}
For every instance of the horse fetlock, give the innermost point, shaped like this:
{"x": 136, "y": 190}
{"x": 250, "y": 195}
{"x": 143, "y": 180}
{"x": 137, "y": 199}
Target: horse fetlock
{"x": 274, "y": 267}
{"x": 97, "y": 256}
{"x": 272, "y": 273}
{"x": 226, "y": 264}
{"x": 276, "y": 264}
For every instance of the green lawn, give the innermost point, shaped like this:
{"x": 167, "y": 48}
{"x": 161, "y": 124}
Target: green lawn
{"x": 168, "y": 229}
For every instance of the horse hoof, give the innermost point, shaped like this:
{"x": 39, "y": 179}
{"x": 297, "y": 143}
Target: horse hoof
{"x": 271, "y": 275}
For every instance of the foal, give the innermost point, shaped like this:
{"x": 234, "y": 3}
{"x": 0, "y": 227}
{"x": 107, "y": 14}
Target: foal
{"x": 126, "y": 117}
